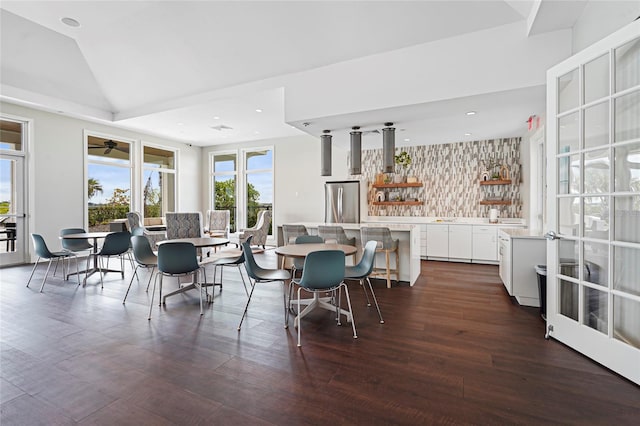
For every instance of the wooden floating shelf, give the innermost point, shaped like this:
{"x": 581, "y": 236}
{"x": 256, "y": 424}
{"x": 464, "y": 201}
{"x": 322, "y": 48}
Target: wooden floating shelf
{"x": 495, "y": 202}
{"x": 398, "y": 185}
{"x": 397, "y": 203}
{"x": 495, "y": 182}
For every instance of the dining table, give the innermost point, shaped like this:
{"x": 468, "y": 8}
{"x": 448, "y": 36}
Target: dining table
{"x": 95, "y": 236}
{"x": 198, "y": 242}
{"x": 301, "y": 251}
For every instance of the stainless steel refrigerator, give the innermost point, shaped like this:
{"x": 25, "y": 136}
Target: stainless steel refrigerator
{"x": 342, "y": 202}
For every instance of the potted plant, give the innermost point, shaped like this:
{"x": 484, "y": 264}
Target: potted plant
{"x": 404, "y": 160}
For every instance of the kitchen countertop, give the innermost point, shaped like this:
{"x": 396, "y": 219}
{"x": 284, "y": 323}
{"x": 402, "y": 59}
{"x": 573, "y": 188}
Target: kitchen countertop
{"x": 522, "y": 233}
{"x": 445, "y": 220}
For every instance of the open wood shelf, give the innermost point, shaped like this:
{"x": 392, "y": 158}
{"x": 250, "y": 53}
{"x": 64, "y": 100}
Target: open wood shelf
{"x": 397, "y": 203}
{"x": 495, "y": 202}
{"x": 495, "y": 182}
{"x": 398, "y": 185}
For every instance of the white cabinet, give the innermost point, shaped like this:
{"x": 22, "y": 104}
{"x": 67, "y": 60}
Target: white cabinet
{"x": 460, "y": 242}
{"x": 485, "y": 243}
{"x": 423, "y": 241}
{"x": 451, "y": 242}
{"x": 437, "y": 240}
{"x": 518, "y": 257}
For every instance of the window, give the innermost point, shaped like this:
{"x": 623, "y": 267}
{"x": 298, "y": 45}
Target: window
{"x": 109, "y": 168}
{"x": 259, "y": 183}
{"x": 159, "y": 180}
{"x": 242, "y": 187}
{"x": 223, "y": 181}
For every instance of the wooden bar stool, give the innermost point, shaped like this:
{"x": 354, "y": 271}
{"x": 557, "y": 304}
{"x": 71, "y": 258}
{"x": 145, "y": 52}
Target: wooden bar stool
{"x": 387, "y": 245}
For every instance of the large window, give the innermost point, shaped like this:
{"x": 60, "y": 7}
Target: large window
{"x": 109, "y": 181}
{"x": 159, "y": 180}
{"x": 258, "y": 183}
{"x": 242, "y": 187}
{"x": 223, "y": 181}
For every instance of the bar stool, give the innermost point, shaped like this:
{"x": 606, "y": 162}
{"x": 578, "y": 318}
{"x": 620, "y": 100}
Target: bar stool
{"x": 387, "y": 245}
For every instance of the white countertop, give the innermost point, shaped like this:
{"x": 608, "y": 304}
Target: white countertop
{"x": 522, "y": 233}
{"x": 419, "y": 220}
{"x": 351, "y": 226}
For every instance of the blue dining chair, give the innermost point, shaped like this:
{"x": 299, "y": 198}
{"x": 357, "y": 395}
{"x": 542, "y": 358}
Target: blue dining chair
{"x": 258, "y": 274}
{"x": 298, "y": 263}
{"x": 43, "y": 252}
{"x": 145, "y": 258}
{"x": 177, "y": 259}
{"x": 115, "y": 245}
{"x": 324, "y": 272}
{"x": 362, "y": 270}
{"x": 226, "y": 258}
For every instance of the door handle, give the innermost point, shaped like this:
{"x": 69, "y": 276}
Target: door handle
{"x": 551, "y": 235}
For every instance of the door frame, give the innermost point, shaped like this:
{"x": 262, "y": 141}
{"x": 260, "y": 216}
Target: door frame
{"x": 622, "y": 358}
{"x": 23, "y": 219}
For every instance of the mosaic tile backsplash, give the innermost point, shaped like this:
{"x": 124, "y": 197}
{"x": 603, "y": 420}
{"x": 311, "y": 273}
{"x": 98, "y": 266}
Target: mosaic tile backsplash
{"x": 450, "y": 174}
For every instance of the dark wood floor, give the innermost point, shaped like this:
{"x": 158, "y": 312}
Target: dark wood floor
{"x": 454, "y": 349}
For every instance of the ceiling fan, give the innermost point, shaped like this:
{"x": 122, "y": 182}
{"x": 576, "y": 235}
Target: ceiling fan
{"x": 108, "y": 146}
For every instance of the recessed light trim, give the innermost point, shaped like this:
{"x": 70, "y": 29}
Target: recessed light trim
{"x": 215, "y": 117}
{"x": 258, "y": 110}
{"x": 70, "y": 22}
{"x": 467, "y": 134}
{"x": 407, "y": 140}
{"x": 471, "y": 113}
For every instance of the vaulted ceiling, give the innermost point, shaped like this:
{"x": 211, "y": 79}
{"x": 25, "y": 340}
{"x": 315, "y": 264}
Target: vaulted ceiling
{"x": 212, "y": 72}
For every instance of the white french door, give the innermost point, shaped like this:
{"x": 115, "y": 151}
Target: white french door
{"x": 593, "y": 171}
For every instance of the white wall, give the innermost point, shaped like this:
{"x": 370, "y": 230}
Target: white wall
{"x": 601, "y": 18}
{"x": 56, "y": 167}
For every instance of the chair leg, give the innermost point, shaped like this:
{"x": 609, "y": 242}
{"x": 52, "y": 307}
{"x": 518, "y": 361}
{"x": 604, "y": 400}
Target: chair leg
{"x": 285, "y": 290}
{"x": 397, "y": 266}
{"x": 244, "y": 283}
{"x": 33, "y": 270}
{"x": 299, "y": 322}
{"x": 195, "y": 278}
{"x": 365, "y": 291}
{"x": 253, "y": 286}
{"x": 375, "y": 300}
{"x": 386, "y": 257}
{"x": 153, "y": 268}
{"x": 353, "y": 320}
{"x": 153, "y": 293}
{"x": 77, "y": 269}
{"x": 45, "y": 275}
{"x": 130, "y": 282}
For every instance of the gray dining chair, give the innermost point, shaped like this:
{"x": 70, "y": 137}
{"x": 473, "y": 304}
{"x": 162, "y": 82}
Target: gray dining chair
{"x": 115, "y": 244}
{"x": 362, "y": 270}
{"x": 43, "y": 252}
{"x": 258, "y": 274}
{"x": 324, "y": 272}
{"x": 145, "y": 258}
{"x": 177, "y": 259}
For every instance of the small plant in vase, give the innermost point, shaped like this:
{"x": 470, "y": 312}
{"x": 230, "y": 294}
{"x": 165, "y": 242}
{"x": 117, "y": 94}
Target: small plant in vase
{"x": 403, "y": 159}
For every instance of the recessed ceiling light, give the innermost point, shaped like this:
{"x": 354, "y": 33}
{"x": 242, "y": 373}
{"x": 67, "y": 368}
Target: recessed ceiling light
{"x": 180, "y": 124}
{"x": 471, "y": 113}
{"x": 407, "y": 140}
{"x": 215, "y": 117}
{"x": 70, "y": 22}
{"x": 258, "y": 110}
{"x": 467, "y": 134}
{"x": 256, "y": 132}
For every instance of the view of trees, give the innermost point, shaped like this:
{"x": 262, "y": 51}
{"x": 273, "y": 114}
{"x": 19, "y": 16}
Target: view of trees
{"x": 225, "y": 199}
{"x": 116, "y": 208}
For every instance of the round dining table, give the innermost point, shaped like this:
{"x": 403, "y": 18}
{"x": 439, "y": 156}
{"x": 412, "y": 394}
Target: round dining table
{"x": 95, "y": 236}
{"x": 301, "y": 251}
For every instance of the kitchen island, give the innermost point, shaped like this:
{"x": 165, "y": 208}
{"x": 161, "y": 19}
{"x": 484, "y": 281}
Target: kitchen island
{"x": 408, "y": 237}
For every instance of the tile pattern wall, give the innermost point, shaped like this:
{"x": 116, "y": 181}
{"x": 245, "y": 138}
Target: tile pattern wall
{"x": 451, "y": 174}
